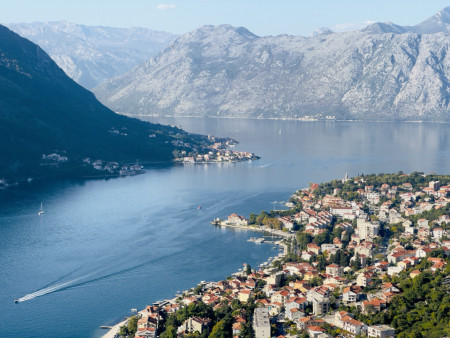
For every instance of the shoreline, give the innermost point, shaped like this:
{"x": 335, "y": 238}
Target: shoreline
{"x": 299, "y": 119}
{"x": 217, "y": 162}
{"x": 258, "y": 228}
{"x": 115, "y": 329}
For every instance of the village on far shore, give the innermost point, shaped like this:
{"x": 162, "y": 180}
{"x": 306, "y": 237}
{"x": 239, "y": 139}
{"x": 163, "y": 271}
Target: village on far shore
{"x": 207, "y": 150}
{"x": 219, "y": 152}
{"x": 362, "y": 257}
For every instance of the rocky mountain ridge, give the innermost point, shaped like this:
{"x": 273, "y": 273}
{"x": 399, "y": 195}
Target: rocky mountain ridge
{"x": 92, "y": 54}
{"x": 383, "y": 72}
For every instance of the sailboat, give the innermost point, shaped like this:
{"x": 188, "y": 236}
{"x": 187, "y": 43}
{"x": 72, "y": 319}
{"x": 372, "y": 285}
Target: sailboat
{"x": 41, "y": 210}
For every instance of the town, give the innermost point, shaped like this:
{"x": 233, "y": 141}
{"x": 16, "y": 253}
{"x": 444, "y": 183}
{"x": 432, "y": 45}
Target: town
{"x": 218, "y": 152}
{"x": 362, "y": 257}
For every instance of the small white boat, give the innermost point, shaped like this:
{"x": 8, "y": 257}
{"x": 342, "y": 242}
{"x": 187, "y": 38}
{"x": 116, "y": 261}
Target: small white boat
{"x": 41, "y": 210}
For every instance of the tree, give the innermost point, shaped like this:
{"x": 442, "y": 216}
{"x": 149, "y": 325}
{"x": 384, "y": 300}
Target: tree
{"x": 248, "y": 269}
{"x": 222, "y": 329}
{"x": 303, "y": 240}
{"x": 356, "y": 264}
{"x": 336, "y": 258}
{"x": 272, "y": 222}
{"x": 260, "y": 217}
{"x": 247, "y": 330}
{"x": 130, "y": 328}
{"x": 171, "y": 332}
{"x": 198, "y": 289}
{"x": 316, "y": 281}
{"x": 321, "y": 265}
{"x": 337, "y": 232}
{"x": 345, "y": 260}
{"x": 324, "y": 237}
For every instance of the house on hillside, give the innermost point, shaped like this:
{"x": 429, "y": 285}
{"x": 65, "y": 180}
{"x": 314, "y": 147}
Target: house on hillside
{"x": 194, "y": 324}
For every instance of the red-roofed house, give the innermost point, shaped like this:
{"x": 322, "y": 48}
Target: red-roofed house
{"x": 414, "y": 273}
{"x": 335, "y": 270}
{"x": 294, "y": 313}
{"x": 237, "y": 327}
{"x": 354, "y": 326}
{"x": 280, "y": 296}
{"x": 244, "y": 295}
{"x": 351, "y": 294}
{"x": 315, "y": 331}
{"x": 313, "y": 248}
{"x": 373, "y": 306}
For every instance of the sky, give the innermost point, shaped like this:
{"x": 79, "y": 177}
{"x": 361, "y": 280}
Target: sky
{"x": 262, "y": 17}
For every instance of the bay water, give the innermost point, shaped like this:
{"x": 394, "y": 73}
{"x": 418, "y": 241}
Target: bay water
{"x": 103, "y": 247}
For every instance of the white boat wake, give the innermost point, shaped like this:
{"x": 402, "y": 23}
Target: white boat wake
{"x": 49, "y": 289}
{"x": 93, "y": 276}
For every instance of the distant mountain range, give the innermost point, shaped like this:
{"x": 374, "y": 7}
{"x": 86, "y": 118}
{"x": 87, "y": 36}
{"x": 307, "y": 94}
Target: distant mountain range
{"x": 382, "y": 72}
{"x": 50, "y": 125}
{"x": 90, "y": 55}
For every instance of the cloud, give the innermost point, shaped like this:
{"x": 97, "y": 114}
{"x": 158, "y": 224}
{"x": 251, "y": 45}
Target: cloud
{"x": 163, "y": 7}
{"x": 351, "y": 26}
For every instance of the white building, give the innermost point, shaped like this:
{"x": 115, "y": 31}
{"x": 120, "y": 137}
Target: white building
{"x": 345, "y": 212}
{"x": 261, "y": 323}
{"x": 438, "y": 233}
{"x": 237, "y": 220}
{"x": 335, "y": 270}
{"x": 381, "y": 331}
{"x": 367, "y": 229}
{"x": 373, "y": 197}
{"x": 321, "y": 306}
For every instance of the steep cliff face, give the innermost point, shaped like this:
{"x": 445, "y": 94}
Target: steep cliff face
{"x": 90, "y": 55}
{"x": 383, "y": 72}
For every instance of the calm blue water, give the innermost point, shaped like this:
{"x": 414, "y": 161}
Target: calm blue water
{"x": 106, "y": 246}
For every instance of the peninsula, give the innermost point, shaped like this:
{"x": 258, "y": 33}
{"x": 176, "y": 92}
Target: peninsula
{"x": 52, "y": 127}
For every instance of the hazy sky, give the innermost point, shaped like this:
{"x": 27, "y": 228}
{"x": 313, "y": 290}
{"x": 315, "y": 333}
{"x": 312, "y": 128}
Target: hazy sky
{"x": 262, "y": 17}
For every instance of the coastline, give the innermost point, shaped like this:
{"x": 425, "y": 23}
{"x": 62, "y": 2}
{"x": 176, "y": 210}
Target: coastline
{"x": 259, "y": 228}
{"x": 139, "y": 116}
{"x": 112, "y": 332}
{"x": 115, "y": 329}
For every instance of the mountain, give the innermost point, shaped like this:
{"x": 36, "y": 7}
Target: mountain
{"x": 438, "y": 23}
{"x": 90, "y": 55}
{"x": 50, "y": 125}
{"x": 383, "y": 72}
{"x": 384, "y": 27}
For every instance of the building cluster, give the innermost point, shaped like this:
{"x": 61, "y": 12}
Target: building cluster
{"x": 114, "y": 168}
{"x": 54, "y": 158}
{"x": 219, "y": 156}
{"x": 307, "y": 292}
{"x": 217, "y": 152}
